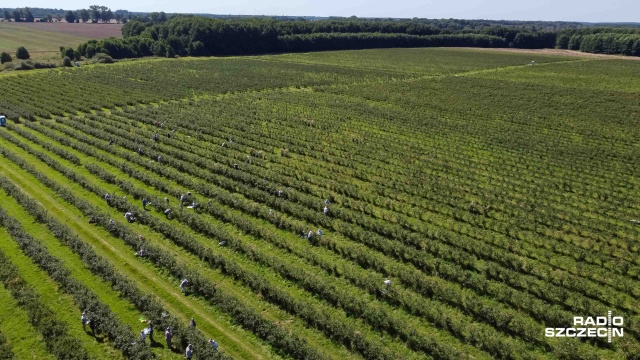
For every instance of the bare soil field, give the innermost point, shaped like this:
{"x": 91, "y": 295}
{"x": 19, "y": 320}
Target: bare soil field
{"x": 91, "y": 31}
{"x": 560, "y": 52}
{"x": 43, "y": 40}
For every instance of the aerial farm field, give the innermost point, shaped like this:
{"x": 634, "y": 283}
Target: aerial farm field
{"x": 497, "y": 197}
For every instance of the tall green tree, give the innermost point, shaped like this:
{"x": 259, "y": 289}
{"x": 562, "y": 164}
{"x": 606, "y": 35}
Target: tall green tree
{"x": 22, "y": 53}
{"x": 95, "y": 13}
{"x": 7, "y": 15}
{"x": 85, "y": 15}
{"x": 5, "y": 57}
{"x": 17, "y": 16}
{"x": 69, "y": 16}
{"x": 106, "y": 14}
{"x": 28, "y": 17}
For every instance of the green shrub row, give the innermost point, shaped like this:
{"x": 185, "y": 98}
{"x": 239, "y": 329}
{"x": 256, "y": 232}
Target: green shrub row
{"x": 5, "y": 349}
{"x": 54, "y": 331}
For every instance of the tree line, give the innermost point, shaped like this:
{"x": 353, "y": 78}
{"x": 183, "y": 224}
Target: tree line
{"x": 162, "y": 35}
{"x": 159, "y": 34}
{"x": 601, "y": 40}
{"x": 95, "y": 14}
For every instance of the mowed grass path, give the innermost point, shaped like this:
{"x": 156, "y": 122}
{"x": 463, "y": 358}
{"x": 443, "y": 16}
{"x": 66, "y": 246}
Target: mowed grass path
{"x": 25, "y": 341}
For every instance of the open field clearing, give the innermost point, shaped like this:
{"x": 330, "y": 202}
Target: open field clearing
{"x": 43, "y": 40}
{"x": 495, "y": 196}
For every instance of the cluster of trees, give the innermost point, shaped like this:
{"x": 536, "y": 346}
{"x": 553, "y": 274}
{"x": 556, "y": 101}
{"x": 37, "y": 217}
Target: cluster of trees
{"x": 94, "y": 13}
{"x": 602, "y": 40}
{"x": 22, "y": 53}
{"x": 18, "y": 15}
{"x": 162, "y": 35}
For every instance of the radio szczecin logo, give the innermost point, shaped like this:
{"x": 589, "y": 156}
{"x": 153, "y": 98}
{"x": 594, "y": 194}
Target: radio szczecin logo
{"x": 600, "y": 327}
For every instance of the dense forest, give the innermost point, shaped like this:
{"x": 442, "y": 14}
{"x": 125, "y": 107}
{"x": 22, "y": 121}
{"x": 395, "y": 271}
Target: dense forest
{"x": 199, "y": 36}
{"x": 602, "y": 40}
{"x": 158, "y": 34}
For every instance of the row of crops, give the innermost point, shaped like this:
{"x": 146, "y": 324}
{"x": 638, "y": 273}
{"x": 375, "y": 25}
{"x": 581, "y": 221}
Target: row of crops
{"x": 492, "y": 219}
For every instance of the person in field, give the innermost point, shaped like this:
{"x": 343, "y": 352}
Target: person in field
{"x": 326, "y": 202}
{"x": 214, "y": 344}
{"x": 310, "y": 236}
{"x": 188, "y": 353}
{"x": 319, "y": 233}
{"x": 182, "y": 197}
{"x": 151, "y": 332}
{"x": 129, "y": 216}
{"x": 156, "y": 137}
{"x": 192, "y": 323}
{"x": 326, "y": 210}
{"x": 144, "y": 203}
{"x": 160, "y": 159}
{"x": 183, "y": 286}
{"x": 107, "y": 197}
{"x": 84, "y": 321}
{"x": 167, "y": 213}
{"x": 143, "y": 336}
{"x": 93, "y": 324}
{"x": 141, "y": 253}
{"x": 168, "y": 335}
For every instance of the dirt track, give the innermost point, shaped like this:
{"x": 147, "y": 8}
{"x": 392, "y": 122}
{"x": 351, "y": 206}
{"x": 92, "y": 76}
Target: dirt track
{"x": 559, "y": 52}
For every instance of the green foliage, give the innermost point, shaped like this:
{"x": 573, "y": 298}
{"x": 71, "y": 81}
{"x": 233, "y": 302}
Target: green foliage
{"x": 67, "y": 52}
{"x": 67, "y": 62}
{"x": 30, "y": 65}
{"x": 5, "y": 57}
{"x": 255, "y": 36}
{"x": 102, "y": 58}
{"x": 22, "y": 53}
{"x": 70, "y": 16}
{"x": 5, "y": 349}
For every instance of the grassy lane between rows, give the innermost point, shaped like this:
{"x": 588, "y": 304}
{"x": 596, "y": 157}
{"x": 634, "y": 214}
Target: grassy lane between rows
{"x": 23, "y": 339}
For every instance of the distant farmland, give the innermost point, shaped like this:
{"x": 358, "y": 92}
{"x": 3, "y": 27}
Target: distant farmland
{"x": 496, "y": 196}
{"x": 43, "y": 40}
